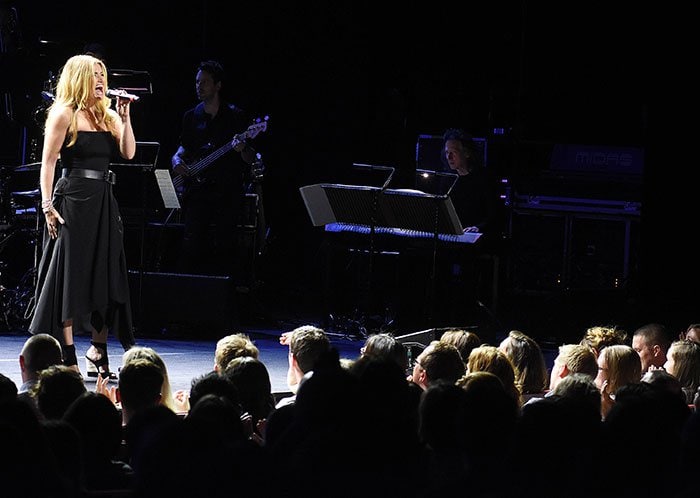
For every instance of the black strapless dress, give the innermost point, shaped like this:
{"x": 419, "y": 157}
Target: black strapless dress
{"x": 82, "y": 273}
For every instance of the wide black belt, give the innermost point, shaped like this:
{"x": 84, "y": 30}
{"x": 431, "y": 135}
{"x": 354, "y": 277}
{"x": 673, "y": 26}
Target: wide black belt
{"x": 94, "y": 174}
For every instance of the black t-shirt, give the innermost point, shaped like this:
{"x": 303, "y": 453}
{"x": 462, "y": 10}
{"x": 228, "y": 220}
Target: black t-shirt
{"x": 475, "y": 198}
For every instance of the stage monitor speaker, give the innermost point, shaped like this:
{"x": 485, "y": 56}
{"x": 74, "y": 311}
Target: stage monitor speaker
{"x": 182, "y": 305}
{"x": 603, "y": 253}
{"x": 539, "y": 251}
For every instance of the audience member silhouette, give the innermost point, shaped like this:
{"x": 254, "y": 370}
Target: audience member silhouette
{"x": 39, "y": 352}
{"x": 8, "y": 388}
{"x": 528, "y": 360}
{"x": 599, "y": 337}
{"x": 692, "y": 333}
{"x": 570, "y": 416}
{"x": 99, "y": 424}
{"x": 178, "y": 404}
{"x": 493, "y": 360}
{"x": 646, "y": 423}
{"x": 58, "y": 386}
{"x": 306, "y": 345}
{"x": 683, "y": 362}
{"x": 140, "y": 384}
{"x": 252, "y": 381}
{"x": 439, "y": 361}
{"x": 385, "y": 346}
{"x": 64, "y": 442}
{"x": 487, "y": 434}
{"x": 661, "y": 379}
{"x": 573, "y": 358}
{"x": 442, "y": 419}
{"x": 390, "y": 411}
{"x": 23, "y": 446}
{"x": 618, "y": 365}
{"x": 213, "y": 383}
{"x": 233, "y": 346}
{"x": 326, "y": 434}
{"x": 463, "y": 340}
{"x": 651, "y": 342}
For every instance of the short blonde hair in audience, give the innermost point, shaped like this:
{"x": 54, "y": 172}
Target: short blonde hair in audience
{"x": 578, "y": 359}
{"x": 233, "y": 346}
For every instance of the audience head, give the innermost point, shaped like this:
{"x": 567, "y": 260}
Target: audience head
{"x": 599, "y": 337}
{"x": 233, "y": 346}
{"x": 527, "y": 357}
{"x": 488, "y": 421}
{"x": 8, "y": 388}
{"x": 140, "y": 384}
{"x": 385, "y": 346}
{"x": 439, "y": 361}
{"x": 99, "y": 424}
{"x": 580, "y": 388}
{"x": 683, "y": 362}
{"x": 491, "y": 359}
{"x": 463, "y": 340}
{"x": 306, "y": 345}
{"x": 39, "y": 352}
{"x": 692, "y": 333}
{"x": 213, "y": 383}
{"x": 573, "y": 358}
{"x": 217, "y": 417}
{"x": 651, "y": 342}
{"x": 441, "y": 412}
{"x": 618, "y": 365}
{"x": 252, "y": 381}
{"x": 57, "y": 388}
{"x": 151, "y": 355}
{"x": 661, "y": 379}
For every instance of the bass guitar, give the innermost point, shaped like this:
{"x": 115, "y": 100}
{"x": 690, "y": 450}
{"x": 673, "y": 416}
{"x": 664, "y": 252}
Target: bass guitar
{"x": 195, "y": 169}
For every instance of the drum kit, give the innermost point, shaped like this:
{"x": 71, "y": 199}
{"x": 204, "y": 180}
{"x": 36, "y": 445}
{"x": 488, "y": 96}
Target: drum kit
{"x": 19, "y": 245}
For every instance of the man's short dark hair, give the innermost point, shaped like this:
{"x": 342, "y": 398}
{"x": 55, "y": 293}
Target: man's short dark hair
{"x": 214, "y": 68}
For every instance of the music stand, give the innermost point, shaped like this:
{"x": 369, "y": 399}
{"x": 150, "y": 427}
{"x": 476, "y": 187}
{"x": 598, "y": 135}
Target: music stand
{"x": 404, "y": 209}
{"x": 144, "y": 162}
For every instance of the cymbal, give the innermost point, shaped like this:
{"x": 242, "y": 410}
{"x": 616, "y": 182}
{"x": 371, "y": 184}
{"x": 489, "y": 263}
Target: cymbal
{"x": 28, "y": 193}
{"x": 29, "y": 167}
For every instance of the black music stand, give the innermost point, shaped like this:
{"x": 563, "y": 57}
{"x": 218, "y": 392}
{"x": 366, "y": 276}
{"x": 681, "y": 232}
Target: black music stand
{"x": 138, "y": 203}
{"x": 404, "y": 209}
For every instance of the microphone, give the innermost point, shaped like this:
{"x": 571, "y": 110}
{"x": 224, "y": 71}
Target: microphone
{"x": 121, "y": 94}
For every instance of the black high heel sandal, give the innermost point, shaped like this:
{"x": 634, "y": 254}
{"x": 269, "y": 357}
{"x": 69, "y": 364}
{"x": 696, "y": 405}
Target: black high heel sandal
{"x": 99, "y": 367}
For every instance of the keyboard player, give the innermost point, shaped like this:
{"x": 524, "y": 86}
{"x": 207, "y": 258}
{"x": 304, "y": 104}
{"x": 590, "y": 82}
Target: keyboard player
{"x": 457, "y": 287}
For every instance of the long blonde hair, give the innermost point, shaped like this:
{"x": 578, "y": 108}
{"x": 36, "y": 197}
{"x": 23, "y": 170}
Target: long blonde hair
{"x": 76, "y": 86}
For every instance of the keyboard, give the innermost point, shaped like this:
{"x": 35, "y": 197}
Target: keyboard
{"x": 464, "y": 238}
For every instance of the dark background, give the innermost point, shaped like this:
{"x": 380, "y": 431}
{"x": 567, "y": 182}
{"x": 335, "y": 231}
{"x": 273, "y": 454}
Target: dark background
{"x": 346, "y": 82}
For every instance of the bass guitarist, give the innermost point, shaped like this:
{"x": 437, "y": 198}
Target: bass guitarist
{"x": 212, "y": 199}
